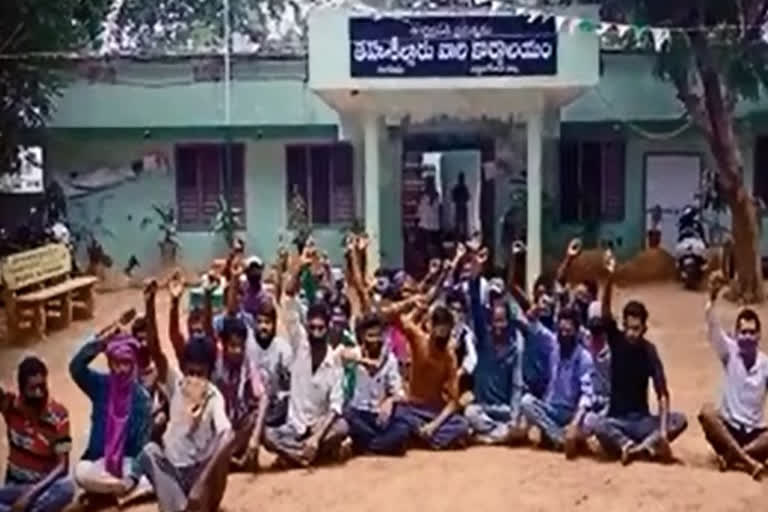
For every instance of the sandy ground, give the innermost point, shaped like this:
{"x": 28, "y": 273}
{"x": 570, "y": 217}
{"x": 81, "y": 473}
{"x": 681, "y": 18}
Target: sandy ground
{"x": 479, "y": 478}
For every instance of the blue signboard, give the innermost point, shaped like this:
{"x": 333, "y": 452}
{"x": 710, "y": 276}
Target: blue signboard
{"x": 452, "y": 46}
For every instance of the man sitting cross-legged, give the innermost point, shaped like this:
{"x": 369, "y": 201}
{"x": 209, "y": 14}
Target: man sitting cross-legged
{"x": 569, "y": 397}
{"x": 120, "y": 416}
{"x": 736, "y": 428}
{"x": 189, "y": 472}
{"x": 315, "y": 427}
{"x": 629, "y": 429}
{"x": 431, "y": 412}
{"x": 498, "y": 386}
{"x": 39, "y": 442}
{"x": 378, "y": 386}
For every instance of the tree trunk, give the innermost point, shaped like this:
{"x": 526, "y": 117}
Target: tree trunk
{"x": 747, "y": 285}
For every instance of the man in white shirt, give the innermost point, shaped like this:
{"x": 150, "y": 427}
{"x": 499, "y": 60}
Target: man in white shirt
{"x": 315, "y": 427}
{"x": 378, "y": 387}
{"x": 429, "y": 219}
{"x": 190, "y": 471}
{"x": 736, "y": 429}
{"x": 272, "y": 354}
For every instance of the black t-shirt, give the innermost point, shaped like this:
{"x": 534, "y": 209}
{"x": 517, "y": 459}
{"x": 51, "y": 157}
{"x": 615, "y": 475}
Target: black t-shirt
{"x": 632, "y": 365}
{"x": 460, "y": 196}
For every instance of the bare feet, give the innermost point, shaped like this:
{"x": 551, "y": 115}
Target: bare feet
{"x": 630, "y": 452}
{"x": 571, "y": 447}
{"x": 757, "y": 471}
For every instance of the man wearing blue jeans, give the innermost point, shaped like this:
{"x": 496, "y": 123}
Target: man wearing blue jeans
{"x": 498, "y": 386}
{"x": 630, "y": 430}
{"x": 569, "y": 397}
{"x": 378, "y": 386}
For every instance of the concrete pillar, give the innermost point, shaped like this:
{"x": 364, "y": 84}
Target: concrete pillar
{"x": 372, "y": 125}
{"x": 534, "y": 154}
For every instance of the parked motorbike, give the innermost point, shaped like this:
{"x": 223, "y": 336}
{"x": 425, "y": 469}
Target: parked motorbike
{"x": 691, "y": 248}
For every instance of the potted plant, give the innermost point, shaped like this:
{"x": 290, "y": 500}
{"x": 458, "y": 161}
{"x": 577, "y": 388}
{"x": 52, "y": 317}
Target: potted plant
{"x": 169, "y": 243}
{"x": 298, "y": 220}
{"x": 227, "y": 221}
{"x": 654, "y": 234}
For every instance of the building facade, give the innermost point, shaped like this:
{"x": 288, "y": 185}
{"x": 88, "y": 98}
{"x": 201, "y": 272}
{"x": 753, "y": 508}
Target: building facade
{"x": 606, "y": 136}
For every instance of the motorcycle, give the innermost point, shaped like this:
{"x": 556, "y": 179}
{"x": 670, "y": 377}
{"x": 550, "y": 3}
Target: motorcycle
{"x": 691, "y": 248}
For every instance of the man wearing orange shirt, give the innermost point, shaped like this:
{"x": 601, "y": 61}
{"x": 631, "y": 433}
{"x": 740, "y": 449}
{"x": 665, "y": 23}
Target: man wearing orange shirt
{"x": 431, "y": 412}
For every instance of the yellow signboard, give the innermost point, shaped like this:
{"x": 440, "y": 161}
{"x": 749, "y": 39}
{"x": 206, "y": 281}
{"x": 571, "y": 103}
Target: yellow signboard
{"x": 29, "y": 267}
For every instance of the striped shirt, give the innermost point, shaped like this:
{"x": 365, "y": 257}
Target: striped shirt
{"x": 35, "y": 443}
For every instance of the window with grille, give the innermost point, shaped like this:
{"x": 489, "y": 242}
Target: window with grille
{"x": 322, "y": 175}
{"x": 592, "y": 179}
{"x": 201, "y": 177}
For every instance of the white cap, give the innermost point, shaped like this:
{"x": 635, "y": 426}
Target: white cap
{"x": 254, "y": 261}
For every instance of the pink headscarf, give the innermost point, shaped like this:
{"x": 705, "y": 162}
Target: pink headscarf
{"x": 123, "y": 348}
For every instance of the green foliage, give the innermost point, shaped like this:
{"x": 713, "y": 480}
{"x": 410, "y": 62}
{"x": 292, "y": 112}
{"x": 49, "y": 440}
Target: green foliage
{"x": 29, "y": 87}
{"x": 199, "y": 24}
{"x": 227, "y": 221}
{"x": 298, "y": 220}
{"x": 167, "y": 225}
{"x": 723, "y": 34}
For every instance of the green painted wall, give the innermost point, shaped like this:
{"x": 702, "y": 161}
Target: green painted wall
{"x": 122, "y": 208}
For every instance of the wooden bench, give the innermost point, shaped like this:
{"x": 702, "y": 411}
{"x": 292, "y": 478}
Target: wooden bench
{"x": 37, "y": 286}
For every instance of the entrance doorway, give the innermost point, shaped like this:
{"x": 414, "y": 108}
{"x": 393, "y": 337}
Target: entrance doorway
{"x": 439, "y": 160}
{"x": 671, "y": 182}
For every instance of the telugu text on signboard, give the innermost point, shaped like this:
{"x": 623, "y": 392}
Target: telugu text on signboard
{"x": 459, "y": 46}
{"x": 29, "y": 267}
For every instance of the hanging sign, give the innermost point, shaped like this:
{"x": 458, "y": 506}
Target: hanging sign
{"x": 452, "y": 46}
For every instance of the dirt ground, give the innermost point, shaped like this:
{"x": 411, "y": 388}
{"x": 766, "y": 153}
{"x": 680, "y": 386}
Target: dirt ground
{"x": 479, "y": 478}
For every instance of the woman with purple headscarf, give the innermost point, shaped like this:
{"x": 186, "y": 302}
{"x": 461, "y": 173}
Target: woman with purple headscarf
{"x": 120, "y": 417}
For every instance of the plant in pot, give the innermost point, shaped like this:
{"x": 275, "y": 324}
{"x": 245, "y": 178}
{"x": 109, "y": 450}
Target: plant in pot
{"x": 654, "y": 234}
{"x": 227, "y": 221}
{"x": 298, "y": 220}
{"x": 169, "y": 242}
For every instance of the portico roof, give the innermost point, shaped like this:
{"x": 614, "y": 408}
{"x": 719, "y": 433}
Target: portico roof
{"x": 465, "y": 65}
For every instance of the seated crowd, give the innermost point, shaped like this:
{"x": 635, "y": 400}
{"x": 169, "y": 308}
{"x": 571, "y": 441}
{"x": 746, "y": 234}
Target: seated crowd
{"x": 453, "y": 360}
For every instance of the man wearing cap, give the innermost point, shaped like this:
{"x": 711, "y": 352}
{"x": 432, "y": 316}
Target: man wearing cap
{"x": 251, "y": 289}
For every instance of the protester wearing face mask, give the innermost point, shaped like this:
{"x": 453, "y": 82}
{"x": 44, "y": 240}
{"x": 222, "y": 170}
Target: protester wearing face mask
{"x": 378, "y": 387}
{"x": 315, "y": 428}
{"x": 630, "y": 430}
{"x": 432, "y": 410}
{"x": 39, "y": 443}
{"x": 189, "y": 471}
{"x": 736, "y": 427}
{"x": 560, "y": 414}
{"x": 251, "y": 288}
{"x": 120, "y": 417}
{"x": 240, "y": 382}
{"x": 272, "y": 354}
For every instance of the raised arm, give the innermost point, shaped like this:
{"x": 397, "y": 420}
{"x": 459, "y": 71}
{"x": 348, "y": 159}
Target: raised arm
{"x": 357, "y": 280}
{"x": 153, "y": 339}
{"x": 210, "y": 287}
{"x": 606, "y": 306}
{"x": 87, "y": 379}
{"x": 478, "y": 314}
{"x": 176, "y": 290}
{"x": 571, "y": 253}
{"x": 234, "y": 272}
{"x": 719, "y": 340}
{"x": 291, "y": 308}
